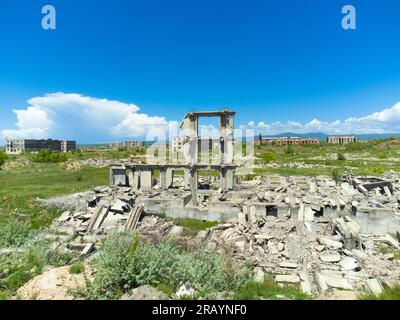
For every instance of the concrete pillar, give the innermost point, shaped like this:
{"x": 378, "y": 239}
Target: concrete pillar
{"x": 186, "y": 178}
{"x": 193, "y": 185}
{"x": 136, "y": 180}
{"x": 146, "y": 178}
{"x": 190, "y": 146}
{"x": 166, "y": 178}
{"x": 163, "y": 184}
{"x": 226, "y": 129}
{"x": 227, "y": 179}
{"x": 169, "y": 176}
{"x": 130, "y": 177}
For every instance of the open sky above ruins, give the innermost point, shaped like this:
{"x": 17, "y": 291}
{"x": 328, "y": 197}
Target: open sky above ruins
{"x": 114, "y": 69}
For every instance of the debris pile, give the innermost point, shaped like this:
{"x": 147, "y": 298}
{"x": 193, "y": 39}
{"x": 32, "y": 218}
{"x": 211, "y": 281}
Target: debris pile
{"x": 318, "y": 255}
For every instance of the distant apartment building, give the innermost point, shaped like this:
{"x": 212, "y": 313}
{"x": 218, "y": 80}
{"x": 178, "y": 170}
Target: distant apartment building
{"x": 287, "y": 140}
{"x": 127, "y": 144}
{"x": 341, "y": 139}
{"x": 17, "y": 146}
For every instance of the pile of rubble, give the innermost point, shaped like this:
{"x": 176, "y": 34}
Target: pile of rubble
{"x": 308, "y": 231}
{"x": 318, "y": 255}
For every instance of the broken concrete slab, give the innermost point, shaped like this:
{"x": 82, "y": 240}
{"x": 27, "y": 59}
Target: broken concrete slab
{"x": 291, "y": 278}
{"x": 331, "y": 258}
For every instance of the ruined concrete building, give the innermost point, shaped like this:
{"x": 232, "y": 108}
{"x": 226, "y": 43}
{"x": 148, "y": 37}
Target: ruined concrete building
{"x": 141, "y": 176}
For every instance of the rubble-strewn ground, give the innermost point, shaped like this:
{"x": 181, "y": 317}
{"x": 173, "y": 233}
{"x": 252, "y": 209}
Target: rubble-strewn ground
{"x": 314, "y": 243}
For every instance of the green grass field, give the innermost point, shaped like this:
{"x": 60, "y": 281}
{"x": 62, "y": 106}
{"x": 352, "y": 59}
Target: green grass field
{"x": 20, "y": 187}
{"x": 373, "y": 157}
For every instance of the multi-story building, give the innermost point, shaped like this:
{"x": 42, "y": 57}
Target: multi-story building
{"x": 341, "y": 139}
{"x": 287, "y": 141}
{"x": 17, "y": 146}
{"x": 127, "y": 144}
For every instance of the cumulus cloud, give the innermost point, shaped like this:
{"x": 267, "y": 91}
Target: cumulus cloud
{"x": 73, "y": 115}
{"x": 386, "y": 121}
{"x": 88, "y": 119}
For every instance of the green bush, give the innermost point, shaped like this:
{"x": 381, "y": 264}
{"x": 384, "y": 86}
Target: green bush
{"x": 77, "y": 268}
{"x": 49, "y": 156}
{"x": 3, "y": 158}
{"x": 268, "y": 156}
{"x": 337, "y": 175}
{"x": 112, "y": 265}
{"x": 341, "y": 156}
{"x": 289, "y": 150}
{"x": 13, "y": 233}
{"x": 123, "y": 265}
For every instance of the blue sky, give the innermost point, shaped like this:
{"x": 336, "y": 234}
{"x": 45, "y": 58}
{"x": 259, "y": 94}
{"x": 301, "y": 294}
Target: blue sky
{"x": 279, "y": 64}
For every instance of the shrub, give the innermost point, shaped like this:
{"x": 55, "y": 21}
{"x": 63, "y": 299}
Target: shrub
{"x": 77, "y": 268}
{"x": 382, "y": 155}
{"x": 341, "y": 156}
{"x": 3, "y": 158}
{"x": 268, "y": 156}
{"x": 123, "y": 265}
{"x": 289, "y": 150}
{"x": 13, "y": 233}
{"x": 49, "y": 156}
{"x": 112, "y": 264}
{"x": 337, "y": 175}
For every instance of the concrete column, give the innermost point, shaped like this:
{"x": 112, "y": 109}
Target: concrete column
{"x": 226, "y": 129}
{"x": 130, "y": 177}
{"x": 227, "y": 179}
{"x": 146, "y": 178}
{"x": 190, "y": 147}
{"x": 186, "y": 178}
{"x": 136, "y": 180}
{"x": 163, "y": 182}
{"x": 193, "y": 185}
{"x": 169, "y": 177}
{"x": 165, "y": 178}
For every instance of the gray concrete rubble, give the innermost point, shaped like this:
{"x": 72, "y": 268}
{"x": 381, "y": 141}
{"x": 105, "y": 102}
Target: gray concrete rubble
{"x": 319, "y": 240}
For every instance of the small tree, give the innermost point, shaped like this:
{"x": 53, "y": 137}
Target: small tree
{"x": 260, "y": 138}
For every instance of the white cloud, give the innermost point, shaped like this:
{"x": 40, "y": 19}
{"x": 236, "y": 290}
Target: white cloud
{"x": 386, "y": 121}
{"x": 73, "y": 115}
{"x": 88, "y": 119}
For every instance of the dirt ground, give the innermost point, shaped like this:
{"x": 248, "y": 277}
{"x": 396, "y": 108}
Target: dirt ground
{"x": 53, "y": 285}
